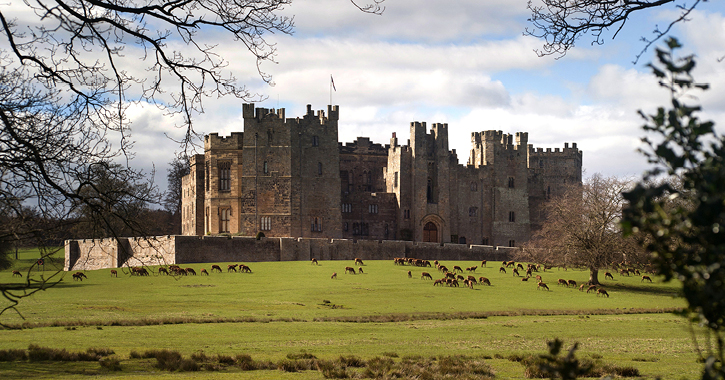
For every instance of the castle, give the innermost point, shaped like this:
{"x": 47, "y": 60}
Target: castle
{"x": 290, "y": 177}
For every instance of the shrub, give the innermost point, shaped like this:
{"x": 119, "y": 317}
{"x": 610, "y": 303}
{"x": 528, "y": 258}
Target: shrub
{"x": 378, "y": 367}
{"x": 351, "y": 361}
{"x": 13, "y": 355}
{"x": 110, "y": 363}
{"x": 301, "y": 355}
{"x": 245, "y": 362}
{"x": 134, "y": 355}
{"x": 332, "y": 370}
{"x": 225, "y": 359}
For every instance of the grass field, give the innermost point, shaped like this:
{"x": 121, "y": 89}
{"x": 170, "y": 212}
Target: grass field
{"x": 289, "y": 308}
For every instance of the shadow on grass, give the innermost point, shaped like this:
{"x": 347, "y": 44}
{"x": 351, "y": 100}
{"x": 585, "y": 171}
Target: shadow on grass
{"x": 644, "y": 288}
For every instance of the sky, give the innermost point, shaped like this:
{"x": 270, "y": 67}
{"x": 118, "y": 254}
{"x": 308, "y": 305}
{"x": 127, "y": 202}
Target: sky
{"x": 466, "y": 63}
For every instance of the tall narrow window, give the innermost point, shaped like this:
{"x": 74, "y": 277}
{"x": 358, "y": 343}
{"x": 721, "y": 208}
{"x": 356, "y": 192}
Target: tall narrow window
{"x": 317, "y": 224}
{"x": 512, "y": 216}
{"x": 395, "y": 179}
{"x": 270, "y": 136}
{"x": 224, "y": 220}
{"x": 472, "y": 211}
{"x": 474, "y": 186}
{"x": 345, "y": 226}
{"x": 207, "y": 177}
{"x": 319, "y": 168}
{"x": 484, "y": 241}
{"x": 512, "y": 243}
{"x": 429, "y": 190}
{"x": 373, "y": 209}
{"x": 315, "y": 141}
{"x": 266, "y": 167}
{"x": 225, "y": 171}
{"x": 406, "y": 214}
{"x": 548, "y": 192}
{"x": 511, "y": 182}
{"x": 265, "y": 223}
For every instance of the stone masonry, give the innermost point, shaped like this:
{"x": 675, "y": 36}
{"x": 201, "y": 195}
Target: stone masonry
{"x": 291, "y": 178}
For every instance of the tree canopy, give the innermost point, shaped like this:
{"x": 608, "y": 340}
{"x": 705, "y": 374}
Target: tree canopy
{"x": 582, "y": 228}
{"x": 684, "y": 227}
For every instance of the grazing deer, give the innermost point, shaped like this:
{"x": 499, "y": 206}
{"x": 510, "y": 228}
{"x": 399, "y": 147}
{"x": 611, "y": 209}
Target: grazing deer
{"x": 163, "y": 270}
{"x": 484, "y": 280}
{"x": 645, "y": 277}
{"x": 438, "y": 282}
{"x": 581, "y": 287}
{"x": 17, "y": 273}
{"x": 591, "y": 288}
{"x": 334, "y": 276}
{"x": 244, "y": 269}
{"x": 541, "y": 285}
{"x": 349, "y": 270}
{"x": 114, "y": 273}
{"x": 456, "y": 268}
{"x": 425, "y": 275}
{"x": 524, "y": 279}
{"x": 191, "y": 271}
{"x": 410, "y": 274}
{"x": 608, "y": 276}
{"x": 216, "y": 268}
{"x": 563, "y": 282}
{"x": 232, "y": 268}
{"x": 571, "y": 283}
{"x": 204, "y": 272}
{"x": 483, "y": 263}
{"x": 358, "y": 261}
{"x": 602, "y": 292}
{"x": 359, "y": 270}
{"x": 314, "y": 261}
{"x": 515, "y": 272}
{"x": 502, "y": 270}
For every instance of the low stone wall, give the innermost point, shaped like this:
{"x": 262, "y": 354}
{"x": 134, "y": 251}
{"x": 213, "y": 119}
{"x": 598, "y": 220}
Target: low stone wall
{"x": 91, "y": 254}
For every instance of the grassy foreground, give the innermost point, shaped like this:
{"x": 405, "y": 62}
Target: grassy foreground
{"x": 290, "y": 308}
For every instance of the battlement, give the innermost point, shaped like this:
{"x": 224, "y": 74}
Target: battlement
{"x": 566, "y": 151}
{"x": 363, "y": 145}
{"x": 250, "y": 112}
{"x": 213, "y": 141}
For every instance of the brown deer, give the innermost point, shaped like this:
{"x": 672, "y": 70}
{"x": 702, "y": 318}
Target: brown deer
{"x": 349, "y": 270}
{"x": 483, "y": 263}
{"x": 204, "y": 272}
{"x": 232, "y": 268}
{"x": 359, "y": 270}
{"x": 163, "y": 270}
{"x": 608, "y": 276}
{"x": 591, "y": 288}
{"x": 563, "y": 282}
{"x": 602, "y": 292}
{"x": 571, "y": 283}
{"x": 502, "y": 270}
{"x": 334, "y": 276}
{"x": 541, "y": 285}
{"x": 216, "y": 268}
{"x": 456, "y": 268}
{"x": 410, "y": 274}
{"x": 358, "y": 261}
{"x": 645, "y": 277}
{"x": 484, "y": 280}
{"x": 244, "y": 269}
{"x": 17, "y": 274}
{"x": 314, "y": 261}
{"x": 425, "y": 275}
{"x": 191, "y": 271}
{"x": 114, "y": 273}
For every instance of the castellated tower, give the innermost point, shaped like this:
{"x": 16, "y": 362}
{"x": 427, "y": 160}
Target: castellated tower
{"x": 281, "y": 176}
{"x": 292, "y": 178}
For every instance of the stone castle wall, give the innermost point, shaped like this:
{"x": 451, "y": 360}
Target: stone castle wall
{"x": 91, "y": 254}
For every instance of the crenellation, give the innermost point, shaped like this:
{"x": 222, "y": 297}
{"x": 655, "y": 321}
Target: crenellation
{"x": 293, "y": 178}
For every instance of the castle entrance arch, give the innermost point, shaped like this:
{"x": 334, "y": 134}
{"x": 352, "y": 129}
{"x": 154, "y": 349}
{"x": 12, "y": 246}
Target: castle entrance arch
{"x": 430, "y": 232}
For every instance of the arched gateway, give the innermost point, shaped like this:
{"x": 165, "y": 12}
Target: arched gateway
{"x": 430, "y": 232}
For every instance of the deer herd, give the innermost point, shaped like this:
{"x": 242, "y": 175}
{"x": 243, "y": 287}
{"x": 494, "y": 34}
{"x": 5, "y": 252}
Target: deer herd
{"x": 451, "y": 278}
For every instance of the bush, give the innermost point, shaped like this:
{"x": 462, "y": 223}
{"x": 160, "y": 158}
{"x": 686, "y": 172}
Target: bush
{"x": 110, "y": 363}
{"x": 332, "y": 370}
{"x": 13, "y": 355}
{"x": 351, "y": 361}
{"x": 245, "y": 362}
{"x": 225, "y": 359}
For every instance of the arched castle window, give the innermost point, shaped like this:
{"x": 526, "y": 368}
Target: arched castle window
{"x": 511, "y": 182}
{"x": 225, "y": 171}
{"x": 512, "y": 217}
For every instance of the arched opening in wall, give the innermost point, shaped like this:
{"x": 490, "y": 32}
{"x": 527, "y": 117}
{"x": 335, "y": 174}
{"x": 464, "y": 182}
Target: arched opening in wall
{"x": 430, "y": 233}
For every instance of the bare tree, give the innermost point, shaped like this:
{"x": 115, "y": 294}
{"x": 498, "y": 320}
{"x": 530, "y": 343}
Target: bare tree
{"x": 560, "y": 23}
{"x": 582, "y": 227}
{"x": 69, "y": 69}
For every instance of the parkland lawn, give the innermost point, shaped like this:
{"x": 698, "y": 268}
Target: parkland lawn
{"x": 283, "y": 309}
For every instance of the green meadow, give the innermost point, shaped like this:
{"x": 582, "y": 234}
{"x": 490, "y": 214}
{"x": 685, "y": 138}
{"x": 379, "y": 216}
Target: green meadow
{"x": 285, "y": 311}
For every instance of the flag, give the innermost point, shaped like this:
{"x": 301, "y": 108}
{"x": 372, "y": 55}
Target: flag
{"x": 332, "y": 82}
